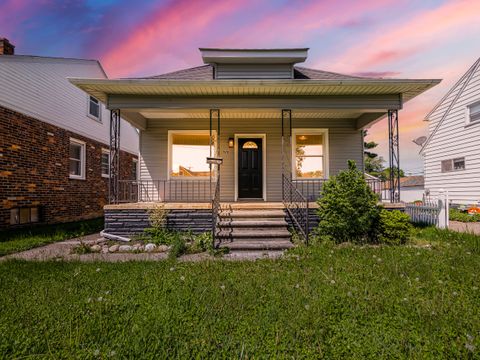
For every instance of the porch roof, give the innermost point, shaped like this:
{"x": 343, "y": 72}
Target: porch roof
{"x": 103, "y": 88}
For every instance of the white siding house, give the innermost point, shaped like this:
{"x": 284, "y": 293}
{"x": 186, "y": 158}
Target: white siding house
{"x": 452, "y": 150}
{"x": 38, "y": 87}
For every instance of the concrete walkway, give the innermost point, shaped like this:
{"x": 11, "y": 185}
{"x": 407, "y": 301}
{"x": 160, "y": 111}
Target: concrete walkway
{"x": 467, "y": 227}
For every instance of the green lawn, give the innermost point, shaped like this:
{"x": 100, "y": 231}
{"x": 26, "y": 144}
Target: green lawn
{"x": 24, "y": 239}
{"x": 322, "y": 301}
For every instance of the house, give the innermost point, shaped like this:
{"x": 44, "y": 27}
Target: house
{"x": 411, "y": 188}
{"x": 272, "y": 131}
{"x": 54, "y": 141}
{"x": 451, "y": 152}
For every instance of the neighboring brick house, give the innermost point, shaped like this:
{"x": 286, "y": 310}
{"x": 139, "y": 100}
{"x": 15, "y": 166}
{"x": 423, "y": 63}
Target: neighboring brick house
{"x": 54, "y": 141}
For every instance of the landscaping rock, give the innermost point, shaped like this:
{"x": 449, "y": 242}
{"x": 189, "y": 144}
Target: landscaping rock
{"x": 104, "y": 249}
{"x": 163, "y": 248}
{"x": 113, "y": 248}
{"x": 124, "y": 248}
{"x": 150, "y": 247}
{"x": 96, "y": 248}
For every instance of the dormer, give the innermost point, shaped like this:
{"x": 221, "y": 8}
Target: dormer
{"x": 253, "y": 63}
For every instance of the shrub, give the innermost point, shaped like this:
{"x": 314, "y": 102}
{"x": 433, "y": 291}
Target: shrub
{"x": 158, "y": 225}
{"x": 457, "y": 215}
{"x": 178, "y": 245}
{"x": 394, "y": 227}
{"x": 348, "y": 208}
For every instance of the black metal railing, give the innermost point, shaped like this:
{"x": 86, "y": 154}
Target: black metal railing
{"x": 311, "y": 188}
{"x": 215, "y": 211}
{"x": 174, "y": 190}
{"x": 296, "y": 205}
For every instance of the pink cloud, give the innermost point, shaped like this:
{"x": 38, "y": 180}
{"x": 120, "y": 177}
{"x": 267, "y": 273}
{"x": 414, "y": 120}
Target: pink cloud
{"x": 160, "y": 38}
{"x": 12, "y": 13}
{"x": 425, "y": 30}
{"x": 294, "y": 24}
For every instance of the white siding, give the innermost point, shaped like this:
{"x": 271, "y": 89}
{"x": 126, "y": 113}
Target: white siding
{"x": 454, "y": 138}
{"x": 38, "y": 87}
{"x": 345, "y": 143}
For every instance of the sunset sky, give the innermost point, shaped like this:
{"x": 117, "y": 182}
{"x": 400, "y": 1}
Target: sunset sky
{"x": 389, "y": 38}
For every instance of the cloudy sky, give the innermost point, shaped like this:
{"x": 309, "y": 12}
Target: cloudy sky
{"x": 389, "y": 38}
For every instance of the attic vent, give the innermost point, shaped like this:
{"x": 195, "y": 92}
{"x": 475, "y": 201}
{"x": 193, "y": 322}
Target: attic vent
{"x": 254, "y": 71}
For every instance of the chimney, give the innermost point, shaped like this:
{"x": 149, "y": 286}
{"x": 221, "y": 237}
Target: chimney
{"x": 6, "y": 48}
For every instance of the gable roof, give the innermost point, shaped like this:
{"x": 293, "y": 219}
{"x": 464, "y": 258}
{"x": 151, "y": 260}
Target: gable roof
{"x": 205, "y": 73}
{"x": 461, "y": 84}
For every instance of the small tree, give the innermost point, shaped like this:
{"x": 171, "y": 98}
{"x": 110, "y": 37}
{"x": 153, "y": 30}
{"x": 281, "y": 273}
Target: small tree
{"x": 348, "y": 208}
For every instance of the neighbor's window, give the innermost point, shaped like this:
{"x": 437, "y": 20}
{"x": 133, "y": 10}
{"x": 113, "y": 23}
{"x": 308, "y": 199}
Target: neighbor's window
{"x": 20, "y": 216}
{"x": 474, "y": 112}
{"x": 188, "y": 154}
{"x": 105, "y": 163}
{"x": 134, "y": 169}
{"x": 93, "y": 108}
{"x": 309, "y": 153}
{"x": 453, "y": 164}
{"x": 77, "y": 159}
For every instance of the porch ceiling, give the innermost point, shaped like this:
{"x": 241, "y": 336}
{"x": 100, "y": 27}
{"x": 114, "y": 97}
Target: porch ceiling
{"x": 159, "y": 114}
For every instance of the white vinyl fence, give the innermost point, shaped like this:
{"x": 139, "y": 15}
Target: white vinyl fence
{"x": 430, "y": 211}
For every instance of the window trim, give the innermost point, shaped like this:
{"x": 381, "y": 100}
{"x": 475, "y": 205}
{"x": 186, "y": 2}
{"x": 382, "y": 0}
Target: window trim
{"x": 170, "y": 153}
{"x": 467, "y": 113}
{"x": 107, "y": 152}
{"x": 453, "y": 165}
{"x": 99, "y": 118}
{"x": 326, "y": 151}
{"x": 82, "y": 159}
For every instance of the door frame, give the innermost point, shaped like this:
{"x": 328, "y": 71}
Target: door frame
{"x": 264, "y": 162}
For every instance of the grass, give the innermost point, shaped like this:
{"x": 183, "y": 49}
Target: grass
{"x": 324, "y": 301}
{"x": 24, "y": 239}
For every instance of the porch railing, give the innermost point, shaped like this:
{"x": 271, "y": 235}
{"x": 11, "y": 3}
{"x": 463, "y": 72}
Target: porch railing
{"x": 311, "y": 188}
{"x": 175, "y": 190}
{"x": 296, "y": 205}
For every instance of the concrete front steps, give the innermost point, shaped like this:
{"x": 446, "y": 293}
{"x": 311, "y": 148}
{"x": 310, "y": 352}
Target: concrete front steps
{"x": 253, "y": 230}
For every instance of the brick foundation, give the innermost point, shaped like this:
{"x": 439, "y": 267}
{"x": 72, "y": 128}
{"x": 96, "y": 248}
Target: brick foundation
{"x": 34, "y": 171}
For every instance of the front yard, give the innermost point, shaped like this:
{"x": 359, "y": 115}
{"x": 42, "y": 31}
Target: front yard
{"x": 332, "y": 301}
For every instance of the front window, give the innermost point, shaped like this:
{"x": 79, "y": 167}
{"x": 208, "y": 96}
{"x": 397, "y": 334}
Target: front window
{"x": 309, "y": 154}
{"x": 105, "y": 163}
{"x": 93, "y": 108}
{"x": 188, "y": 154}
{"x": 77, "y": 159}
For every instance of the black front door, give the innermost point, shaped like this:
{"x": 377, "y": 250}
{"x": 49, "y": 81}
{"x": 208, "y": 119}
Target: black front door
{"x": 250, "y": 177}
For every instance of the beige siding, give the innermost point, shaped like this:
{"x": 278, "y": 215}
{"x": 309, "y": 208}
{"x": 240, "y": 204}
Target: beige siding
{"x": 38, "y": 87}
{"x": 345, "y": 142}
{"x": 453, "y": 139}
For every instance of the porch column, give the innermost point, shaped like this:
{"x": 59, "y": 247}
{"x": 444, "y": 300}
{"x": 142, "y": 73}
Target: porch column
{"x": 214, "y": 115}
{"x": 286, "y": 158}
{"x": 394, "y": 156}
{"x": 113, "y": 188}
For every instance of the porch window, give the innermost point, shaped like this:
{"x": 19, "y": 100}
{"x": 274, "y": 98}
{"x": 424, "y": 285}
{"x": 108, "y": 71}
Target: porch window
{"x": 309, "y": 154}
{"x": 105, "y": 163}
{"x": 188, "y": 154}
{"x": 77, "y": 159}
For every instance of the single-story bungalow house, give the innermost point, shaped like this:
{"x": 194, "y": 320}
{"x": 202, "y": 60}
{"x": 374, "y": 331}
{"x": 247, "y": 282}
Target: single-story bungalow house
{"x": 238, "y": 143}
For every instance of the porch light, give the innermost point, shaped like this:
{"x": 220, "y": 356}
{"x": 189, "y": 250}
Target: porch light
{"x": 230, "y": 143}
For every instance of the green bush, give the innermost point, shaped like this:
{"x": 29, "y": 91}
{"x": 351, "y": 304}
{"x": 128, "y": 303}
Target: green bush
{"x": 457, "y": 215}
{"x": 348, "y": 209}
{"x": 394, "y": 227}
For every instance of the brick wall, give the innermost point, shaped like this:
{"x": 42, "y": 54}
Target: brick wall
{"x": 34, "y": 170}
